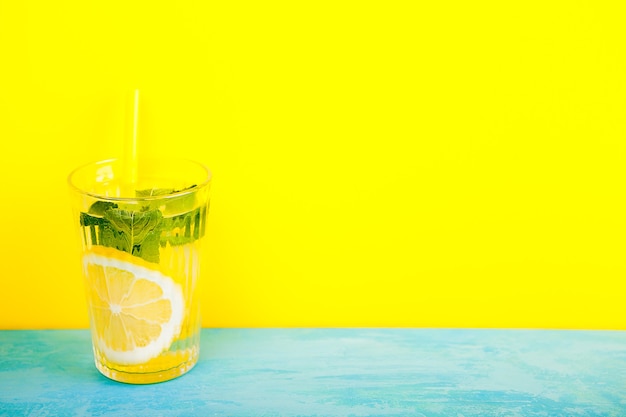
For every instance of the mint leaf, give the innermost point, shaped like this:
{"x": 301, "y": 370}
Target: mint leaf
{"x": 151, "y": 192}
{"x": 142, "y": 232}
{"x": 92, "y": 223}
{"x": 135, "y": 232}
{"x": 149, "y": 248}
{"x": 184, "y": 228}
{"x": 99, "y": 207}
{"x": 176, "y": 204}
{"x": 88, "y": 220}
{"x": 154, "y": 192}
{"x": 134, "y": 225}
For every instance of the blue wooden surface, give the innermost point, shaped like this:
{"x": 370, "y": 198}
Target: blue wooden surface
{"x": 332, "y": 372}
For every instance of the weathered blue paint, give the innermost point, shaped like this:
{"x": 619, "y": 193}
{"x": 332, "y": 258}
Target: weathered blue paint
{"x": 332, "y": 372}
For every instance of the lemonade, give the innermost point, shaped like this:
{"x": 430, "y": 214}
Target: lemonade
{"x": 141, "y": 250}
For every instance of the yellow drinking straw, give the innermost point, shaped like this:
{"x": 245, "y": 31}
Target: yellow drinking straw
{"x": 130, "y": 143}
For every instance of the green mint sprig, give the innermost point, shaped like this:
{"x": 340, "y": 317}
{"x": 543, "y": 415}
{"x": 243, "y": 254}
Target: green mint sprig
{"x": 141, "y": 232}
{"x": 135, "y": 232}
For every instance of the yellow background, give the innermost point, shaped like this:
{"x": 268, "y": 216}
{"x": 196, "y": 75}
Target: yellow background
{"x": 392, "y": 163}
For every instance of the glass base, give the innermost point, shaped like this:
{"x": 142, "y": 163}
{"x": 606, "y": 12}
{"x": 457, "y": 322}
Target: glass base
{"x": 146, "y": 377}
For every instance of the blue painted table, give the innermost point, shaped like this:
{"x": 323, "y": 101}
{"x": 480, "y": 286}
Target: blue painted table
{"x": 331, "y": 372}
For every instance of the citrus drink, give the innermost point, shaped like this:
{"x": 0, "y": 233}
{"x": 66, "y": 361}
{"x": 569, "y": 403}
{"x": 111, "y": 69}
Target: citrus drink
{"x": 141, "y": 268}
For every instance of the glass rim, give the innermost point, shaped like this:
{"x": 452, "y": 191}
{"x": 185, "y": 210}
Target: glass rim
{"x": 187, "y": 191}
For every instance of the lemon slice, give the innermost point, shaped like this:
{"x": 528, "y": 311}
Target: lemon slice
{"x": 136, "y": 310}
